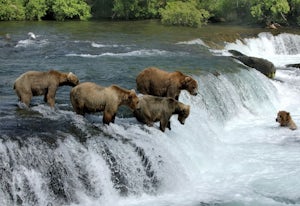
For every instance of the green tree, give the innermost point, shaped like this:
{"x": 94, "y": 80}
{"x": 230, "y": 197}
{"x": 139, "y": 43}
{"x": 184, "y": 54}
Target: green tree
{"x": 126, "y": 9}
{"x": 12, "y": 10}
{"x": 231, "y": 10}
{"x": 35, "y": 9}
{"x": 136, "y": 9}
{"x": 294, "y": 14}
{"x": 101, "y": 8}
{"x": 270, "y": 10}
{"x": 70, "y": 9}
{"x": 183, "y": 13}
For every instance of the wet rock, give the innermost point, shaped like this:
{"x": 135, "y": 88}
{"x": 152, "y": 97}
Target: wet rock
{"x": 262, "y": 65}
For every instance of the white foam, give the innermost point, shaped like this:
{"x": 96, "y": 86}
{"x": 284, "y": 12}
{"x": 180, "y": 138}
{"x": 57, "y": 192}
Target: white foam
{"x": 282, "y": 49}
{"x": 136, "y": 53}
{"x": 193, "y": 42}
{"x": 97, "y": 45}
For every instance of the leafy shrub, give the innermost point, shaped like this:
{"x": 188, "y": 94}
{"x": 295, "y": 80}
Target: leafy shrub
{"x": 11, "y": 10}
{"x": 264, "y": 10}
{"x": 183, "y": 13}
{"x": 136, "y": 9}
{"x": 35, "y": 9}
{"x": 70, "y": 9}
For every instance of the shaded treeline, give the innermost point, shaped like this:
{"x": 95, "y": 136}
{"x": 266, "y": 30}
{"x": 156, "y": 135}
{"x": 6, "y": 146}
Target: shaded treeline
{"x": 174, "y": 12}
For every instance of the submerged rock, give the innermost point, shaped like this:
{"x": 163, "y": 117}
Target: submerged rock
{"x": 262, "y": 65}
{"x": 294, "y": 65}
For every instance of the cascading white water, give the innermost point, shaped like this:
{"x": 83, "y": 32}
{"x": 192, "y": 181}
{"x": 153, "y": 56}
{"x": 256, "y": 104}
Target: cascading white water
{"x": 282, "y": 49}
{"x": 229, "y": 152}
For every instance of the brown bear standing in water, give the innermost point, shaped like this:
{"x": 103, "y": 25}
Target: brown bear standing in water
{"x": 89, "y": 97}
{"x": 160, "y": 83}
{"x": 153, "y": 109}
{"x": 36, "y": 83}
{"x": 285, "y": 120}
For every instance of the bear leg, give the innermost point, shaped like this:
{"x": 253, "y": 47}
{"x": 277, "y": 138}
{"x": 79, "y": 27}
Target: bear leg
{"x": 163, "y": 125}
{"x": 45, "y": 96}
{"x": 169, "y": 125}
{"x": 79, "y": 110}
{"x": 51, "y": 96}
{"x": 26, "y": 98}
{"x": 107, "y": 118}
{"x": 51, "y": 102}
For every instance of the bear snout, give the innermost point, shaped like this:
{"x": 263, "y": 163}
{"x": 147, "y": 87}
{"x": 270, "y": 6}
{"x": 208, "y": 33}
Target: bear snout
{"x": 181, "y": 120}
{"x": 194, "y": 91}
{"x": 138, "y": 106}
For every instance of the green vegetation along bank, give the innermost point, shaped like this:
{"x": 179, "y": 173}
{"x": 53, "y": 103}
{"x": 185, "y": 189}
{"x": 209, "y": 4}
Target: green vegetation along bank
{"x": 191, "y": 13}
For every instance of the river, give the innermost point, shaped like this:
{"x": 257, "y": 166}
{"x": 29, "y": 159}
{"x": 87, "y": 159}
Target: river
{"x": 230, "y": 152}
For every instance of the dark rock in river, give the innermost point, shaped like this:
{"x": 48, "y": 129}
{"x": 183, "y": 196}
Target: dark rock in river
{"x": 293, "y": 65}
{"x": 264, "y": 66}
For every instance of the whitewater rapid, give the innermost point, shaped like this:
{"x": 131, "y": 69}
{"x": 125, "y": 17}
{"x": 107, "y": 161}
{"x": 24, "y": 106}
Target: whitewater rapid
{"x": 230, "y": 151}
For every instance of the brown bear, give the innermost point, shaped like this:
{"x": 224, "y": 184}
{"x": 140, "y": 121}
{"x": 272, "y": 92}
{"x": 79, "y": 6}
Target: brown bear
{"x": 285, "y": 120}
{"x": 153, "y": 109}
{"x": 89, "y": 97}
{"x": 36, "y": 83}
{"x": 160, "y": 83}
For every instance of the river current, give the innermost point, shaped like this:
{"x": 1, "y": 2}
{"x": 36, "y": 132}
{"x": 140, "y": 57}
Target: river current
{"x": 230, "y": 152}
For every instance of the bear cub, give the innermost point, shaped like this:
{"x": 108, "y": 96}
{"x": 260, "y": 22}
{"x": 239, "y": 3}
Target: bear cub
{"x": 285, "y": 120}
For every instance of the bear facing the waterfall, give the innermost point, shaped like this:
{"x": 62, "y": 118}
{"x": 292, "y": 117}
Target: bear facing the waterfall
{"x": 285, "y": 120}
{"x": 89, "y": 97}
{"x": 154, "y": 81}
{"x": 160, "y": 109}
{"x": 36, "y": 83}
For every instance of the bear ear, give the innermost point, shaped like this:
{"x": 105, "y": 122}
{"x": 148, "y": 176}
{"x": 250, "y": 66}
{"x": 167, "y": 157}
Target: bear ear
{"x": 70, "y": 75}
{"x": 186, "y": 108}
{"x": 131, "y": 93}
{"x": 187, "y": 79}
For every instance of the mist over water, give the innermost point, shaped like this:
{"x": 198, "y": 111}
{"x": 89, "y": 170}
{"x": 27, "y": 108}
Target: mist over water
{"x": 229, "y": 152}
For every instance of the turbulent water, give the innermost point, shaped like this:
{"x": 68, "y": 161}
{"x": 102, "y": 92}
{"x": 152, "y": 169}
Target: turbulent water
{"x": 230, "y": 152}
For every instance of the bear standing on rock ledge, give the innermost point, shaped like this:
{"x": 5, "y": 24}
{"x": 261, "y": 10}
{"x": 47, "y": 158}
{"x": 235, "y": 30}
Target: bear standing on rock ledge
{"x": 36, "y": 83}
{"x": 160, "y": 109}
{"x": 160, "y": 83}
{"x": 89, "y": 97}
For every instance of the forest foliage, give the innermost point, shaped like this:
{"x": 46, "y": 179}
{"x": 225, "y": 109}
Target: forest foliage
{"x": 47, "y": 9}
{"x": 192, "y": 13}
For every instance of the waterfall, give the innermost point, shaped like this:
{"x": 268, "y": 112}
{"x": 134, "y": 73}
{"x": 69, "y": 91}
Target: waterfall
{"x": 85, "y": 159}
{"x": 229, "y": 152}
{"x": 281, "y": 49}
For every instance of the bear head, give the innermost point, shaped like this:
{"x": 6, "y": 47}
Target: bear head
{"x": 133, "y": 100}
{"x": 283, "y": 118}
{"x": 72, "y": 80}
{"x": 190, "y": 85}
{"x": 183, "y": 113}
